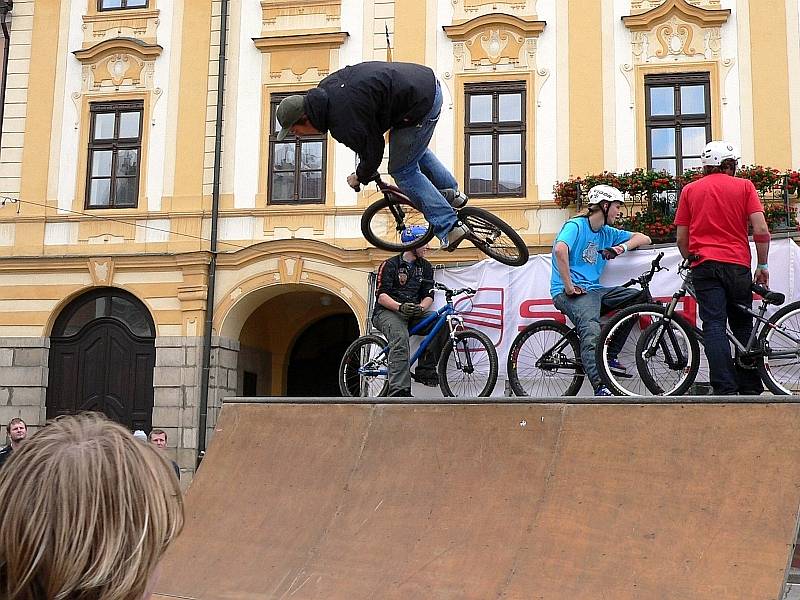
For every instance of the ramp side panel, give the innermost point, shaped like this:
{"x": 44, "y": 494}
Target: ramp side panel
{"x": 482, "y": 501}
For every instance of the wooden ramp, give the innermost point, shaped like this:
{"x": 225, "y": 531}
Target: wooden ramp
{"x": 528, "y": 501}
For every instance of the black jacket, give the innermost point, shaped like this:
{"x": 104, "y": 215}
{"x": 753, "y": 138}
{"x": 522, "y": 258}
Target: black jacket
{"x": 403, "y": 281}
{"x": 358, "y": 104}
{"x": 5, "y": 454}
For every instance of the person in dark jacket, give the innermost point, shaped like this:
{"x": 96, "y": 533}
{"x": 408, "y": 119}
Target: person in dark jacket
{"x": 403, "y": 297}
{"x": 358, "y": 105}
{"x": 17, "y": 431}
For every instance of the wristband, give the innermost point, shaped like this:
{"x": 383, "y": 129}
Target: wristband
{"x": 764, "y": 267}
{"x": 624, "y": 246}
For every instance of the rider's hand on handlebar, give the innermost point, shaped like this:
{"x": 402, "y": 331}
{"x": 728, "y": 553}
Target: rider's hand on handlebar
{"x": 353, "y": 182}
{"x": 761, "y": 276}
{"x": 612, "y": 252}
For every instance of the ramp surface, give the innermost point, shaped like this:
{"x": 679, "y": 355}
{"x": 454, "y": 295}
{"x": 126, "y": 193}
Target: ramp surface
{"x": 533, "y": 501}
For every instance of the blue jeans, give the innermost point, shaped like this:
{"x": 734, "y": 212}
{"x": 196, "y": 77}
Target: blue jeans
{"x": 719, "y": 286}
{"x": 418, "y": 172}
{"x": 585, "y": 311}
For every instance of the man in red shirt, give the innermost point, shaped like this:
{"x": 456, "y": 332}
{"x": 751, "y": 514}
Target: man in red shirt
{"x": 713, "y": 216}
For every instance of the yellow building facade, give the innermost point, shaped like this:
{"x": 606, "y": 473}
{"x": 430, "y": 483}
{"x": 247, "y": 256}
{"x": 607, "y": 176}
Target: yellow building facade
{"x": 114, "y": 153}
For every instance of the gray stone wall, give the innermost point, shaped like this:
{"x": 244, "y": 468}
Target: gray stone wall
{"x": 176, "y": 401}
{"x": 23, "y": 381}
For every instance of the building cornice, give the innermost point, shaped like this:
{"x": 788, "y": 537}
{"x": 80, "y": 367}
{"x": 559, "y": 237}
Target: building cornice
{"x": 464, "y": 31}
{"x": 701, "y": 17}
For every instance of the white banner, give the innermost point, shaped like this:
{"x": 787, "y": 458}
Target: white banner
{"x": 510, "y": 298}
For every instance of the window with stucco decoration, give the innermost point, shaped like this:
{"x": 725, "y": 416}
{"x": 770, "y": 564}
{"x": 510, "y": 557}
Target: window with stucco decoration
{"x": 115, "y": 147}
{"x": 678, "y": 117}
{"x": 296, "y": 165}
{"x": 120, "y": 4}
{"x": 494, "y": 134}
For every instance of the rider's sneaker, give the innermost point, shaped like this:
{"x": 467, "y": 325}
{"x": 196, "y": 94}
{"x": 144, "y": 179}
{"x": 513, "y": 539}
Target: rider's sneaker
{"x": 617, "y": 367}
{"x": 454, "y": 237}
{"x": 603, "y": 391}
{"x": 428, "y": 378}
{"x": 455, "y": 197}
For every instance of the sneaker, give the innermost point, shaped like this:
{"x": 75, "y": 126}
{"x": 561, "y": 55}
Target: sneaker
{"x": 454, "y": 197}
{"x": 603, "y": 391}
{"x": 616, "y": 366}
{"x": 428, "y": 378}
{"x": 454, "y": 237}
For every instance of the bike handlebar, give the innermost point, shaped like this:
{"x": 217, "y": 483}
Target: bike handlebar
{"x": 645, "y": 278}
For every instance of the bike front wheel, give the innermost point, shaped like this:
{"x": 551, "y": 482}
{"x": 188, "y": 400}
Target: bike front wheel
{"x": 494, "y": 237}
{"x": 364, "y": 370}
{"x": 385, "y": 219}
{"x": 780, "y": 368}
{"x": 641, "y": 353}
{"x": 468, "y": 365}
{"x": 544, "y": 360}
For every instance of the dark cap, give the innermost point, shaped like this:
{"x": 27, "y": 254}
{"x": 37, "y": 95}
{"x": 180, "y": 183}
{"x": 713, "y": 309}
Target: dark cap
{"x": 289, "y": 112}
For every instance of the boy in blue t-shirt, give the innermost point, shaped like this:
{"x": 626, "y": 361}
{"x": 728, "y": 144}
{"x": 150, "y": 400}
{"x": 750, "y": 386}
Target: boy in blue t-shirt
{"x": 580, "y": 252}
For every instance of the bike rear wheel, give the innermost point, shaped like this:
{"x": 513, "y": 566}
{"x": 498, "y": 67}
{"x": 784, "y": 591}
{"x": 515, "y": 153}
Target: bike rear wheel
{"x": 780, "y": 368}
{"x": 364, "y": 370}
{"x": 468, "y": 365}
{"x": 494, "y": 237}
{"x": 544, "y": 360}
{"x": 385, "y": 219}
{"x": 659, "y": 357}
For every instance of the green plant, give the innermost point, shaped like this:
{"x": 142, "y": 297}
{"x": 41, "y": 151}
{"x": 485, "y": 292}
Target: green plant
{"x": 764, "y": 178}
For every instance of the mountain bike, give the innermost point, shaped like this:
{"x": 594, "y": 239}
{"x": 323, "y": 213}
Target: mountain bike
{"x": 467, "y": 366}
{"x": 667, "y": 349}
{"x": 384, "y": 220}
{"x": 545, "y": 357}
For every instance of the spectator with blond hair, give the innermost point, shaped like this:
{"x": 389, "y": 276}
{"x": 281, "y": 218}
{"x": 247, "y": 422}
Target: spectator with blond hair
{"x": 86, "y": 512}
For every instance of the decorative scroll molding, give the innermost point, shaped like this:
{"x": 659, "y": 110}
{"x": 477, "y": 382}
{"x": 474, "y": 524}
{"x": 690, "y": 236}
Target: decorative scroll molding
{"x": 645, "y": 5}
{"x": 677, "y": 9}
{"x": 300, "y": 15}
{"x": 119, "y": 63}
{"x": 486, "y": 42}
{"x": 101, "y": 270}
{"x": 300, "y": 53}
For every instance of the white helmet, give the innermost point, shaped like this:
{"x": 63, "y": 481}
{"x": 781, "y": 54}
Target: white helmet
{"x": 601, "y": 193}
{"x": 716, "y": 152}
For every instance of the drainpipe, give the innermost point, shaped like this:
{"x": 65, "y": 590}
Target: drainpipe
{"x": 5, "y": 8}
{"x": 212, "y": 265}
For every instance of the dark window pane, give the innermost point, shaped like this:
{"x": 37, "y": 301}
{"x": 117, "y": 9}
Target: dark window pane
{"x": 311, "y": 185}
{"x": 480, "y": 108}
{"x": 480, "y": 180}
{"x": 662, "y": 142}
{"x": 662, "y": 101}
{"x": 693, "y": 139}
{"x": 510, "y": 147}
{"x": 104, "y": 126}
{"x": 283, "y": 186}
{"x": 128, "y": 162}
{"x": 510, "y": 107}
{"x": 667, "y": 165}
{"x": 129, "y": 124}
{"x": 130, "y": 314}
{"x": 100, "y": 192}
{"x": 691, "y": 163}
{"x": 126, "y": 191}
{"x": 480, "y": 149}
{"x": 311, "y": 155}
{"x": 101, "y": 163}
{"x": 509, "y": 179}
{"x": 105, "y": 4}
{"x": 284, "y": 157}
{"x": 693, "y": 99}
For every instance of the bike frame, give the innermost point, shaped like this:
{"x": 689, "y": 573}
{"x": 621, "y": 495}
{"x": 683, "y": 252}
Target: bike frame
{"x": 447, "y": 314}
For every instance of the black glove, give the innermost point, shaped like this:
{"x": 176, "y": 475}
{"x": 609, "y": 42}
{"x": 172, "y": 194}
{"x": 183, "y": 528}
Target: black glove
{"x": 409, "y": 309}
{"x": 613, "y": 252}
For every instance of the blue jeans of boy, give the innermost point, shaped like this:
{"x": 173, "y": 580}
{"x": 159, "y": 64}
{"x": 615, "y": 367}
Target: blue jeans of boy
{"x": 585, "y": 311}
{"x": 418, "y": 172}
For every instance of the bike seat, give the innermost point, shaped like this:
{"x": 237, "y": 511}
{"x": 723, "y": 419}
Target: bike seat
{"x": 775, "y": 298}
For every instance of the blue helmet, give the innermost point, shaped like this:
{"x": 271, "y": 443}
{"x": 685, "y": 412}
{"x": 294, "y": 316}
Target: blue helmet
{"x": 414, "y": 232}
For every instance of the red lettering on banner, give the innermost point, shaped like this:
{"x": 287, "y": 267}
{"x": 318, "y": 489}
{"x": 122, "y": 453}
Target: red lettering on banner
{"x": 527, "y": 310}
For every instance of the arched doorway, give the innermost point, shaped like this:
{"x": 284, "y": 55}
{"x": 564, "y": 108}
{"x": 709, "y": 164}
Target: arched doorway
{"x": 314, "y": 360}
{"x": 102, "y": 355}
